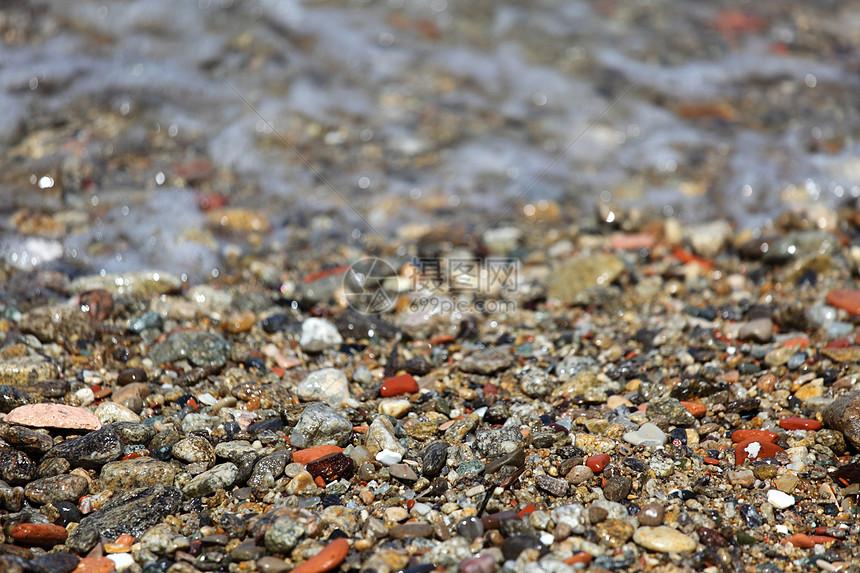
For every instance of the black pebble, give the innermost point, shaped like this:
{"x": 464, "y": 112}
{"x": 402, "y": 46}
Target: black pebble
{"x": 68, "y": 513}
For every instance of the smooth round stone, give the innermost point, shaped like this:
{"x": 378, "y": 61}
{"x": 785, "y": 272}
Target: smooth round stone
{"x": 516, "y": 544}
{"x": 129, "y": 375}
{"x": 579, "y": 474}
{"x": 269, "y": 564}
{"x": 597, "y": 462}
{"x": 388, "y": 457}
{"x": 663, "y": 539}
{"x": 433, "y": 459}
{"x": 194, "y": 449}
{"x": 403, "y": 384}
{"x": 651, "y": 514}
{"x": 648, "y": 434}
{"x": 793, "y": 423}
{"x": 470, "y": 527}
{"x": 110, "y": 412}
{"x": 394, "y": 408}
{"x": 403, "y": 472}
{"x": 779, "y": 499}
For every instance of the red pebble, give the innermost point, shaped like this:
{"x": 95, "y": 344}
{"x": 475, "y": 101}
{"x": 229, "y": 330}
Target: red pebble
{"x": 761, "y": 435}
{"x": 793, "y": 423}
{"x": 581, "y": 557}
{"x": 526, "y": 510}
{"x": 755, "y": 450}
{"x": 328, "y": 558}
{"x": 597, "y": 462}
{"x": 804, "y": 541}
{"x": 845, "y": 298}
{"x": 697, "y": 409}
{"x": 41, "y": 534}
{"x": 710, "y": 461}
{"x": 490, "y": 389}
{"x": 403, "y": 384}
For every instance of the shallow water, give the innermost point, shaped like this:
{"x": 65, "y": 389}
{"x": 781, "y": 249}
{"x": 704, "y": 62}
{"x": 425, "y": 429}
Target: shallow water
{"x": 361, "y": 119}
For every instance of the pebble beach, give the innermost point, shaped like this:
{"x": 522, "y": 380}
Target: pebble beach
{"x": 429, "y": 287}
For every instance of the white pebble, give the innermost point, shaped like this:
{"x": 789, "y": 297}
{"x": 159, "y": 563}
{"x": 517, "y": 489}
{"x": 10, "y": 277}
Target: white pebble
{"x": 779, "y": 499}
{"x": 387, "y": 457}
{"x": 547, "y": 539}
{"x": 121, "y": 560}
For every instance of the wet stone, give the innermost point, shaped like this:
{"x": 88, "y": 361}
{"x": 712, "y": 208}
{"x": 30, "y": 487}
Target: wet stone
{"x": 60, "y": 562}
{"x": 26, "y": 440}
{"x": 651, "y": 514}
{"x": 459, "y": 429}
{"x": 53, "y": 489}
{"x": 131, "y": 375}
{"x": 843, "y": 415}
{"x": 130, "y": 513}
{"x": 136, "y": 473}
{"x": 332, "y": 466}
{"x": 92, "y": 450}
{"x": 470, "y": 527}
{"x": 269, "y": 468}
{"x": 433, "y": 459}
{"x": 15, "y": 467}
{"x": 11, "y": 398}
{"x": 320, "y": 424}
{"x": 194, "y": 449}
{"x": 199, "y": 348}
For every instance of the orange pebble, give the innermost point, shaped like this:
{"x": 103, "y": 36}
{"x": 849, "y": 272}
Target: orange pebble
{"x": 95, "y": 565}
{"x": 312, "y": 454}
{"x": 697, "y": 409}
{"x": 761, "y": 435}
{"x": 330, "y": 557}
{"x": 319, "y": 481}
{"x": 581, "y": 557}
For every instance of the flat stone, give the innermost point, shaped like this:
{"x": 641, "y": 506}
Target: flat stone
{"x": 54, "y": 416}
{"x": 413, "y": 529}
{"x": 648, "y": 434}
{"x": 136, "y": 473}
{"x": 21, "y": 371}
{"x": 663, "y": 539}
{"x": 403, "y": 472}
{"x": 845, "y": 298}
{"x": 127, "y": 513}
{"x": 110, "y": 412}
{"x": 779, "y": 499}
{"x": 144, "y": 283}
{"x": 64, "y": 487}
{"x": 92, "y": 450}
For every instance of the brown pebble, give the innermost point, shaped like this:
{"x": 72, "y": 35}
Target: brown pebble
{"x": 652, "y": 514}
{"x": 130, "y": 375}
{"x": 413, "y": 529}
{"x": 596, "y": 514}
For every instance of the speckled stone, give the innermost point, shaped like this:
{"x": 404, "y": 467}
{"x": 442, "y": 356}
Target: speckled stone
{"x": 92, "y": 450}
{"x": 459, "y": 429}
{"x": 843, "y": 415}
{"x": 53, "y": 489}
{"x": 498, "y": 441}
{"x": 579, "y": 274}
{"x": 194, "y": 449}
{"x": 269, "y": 468}
{"x": 110, "y": 412}
{"x": 284, "y": 535}
{"x": 136, "y": 473}
{"x": 199, "y": 348}
{"x": 669, "y": 411}
{"x": 320, "y": 424}
{"x": 20, "y": 371}
{"x": 551, "y": 485}
{"x": 129, "y": 513}
{"x": 58, "y": 323}
{"x": 211, "y": 481}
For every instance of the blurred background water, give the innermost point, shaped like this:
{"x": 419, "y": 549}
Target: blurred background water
{"x": 125, "y": 125}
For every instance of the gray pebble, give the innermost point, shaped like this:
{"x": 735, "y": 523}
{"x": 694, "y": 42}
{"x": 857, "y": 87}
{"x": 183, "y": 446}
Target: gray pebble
{"x": 320, "y": 424}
